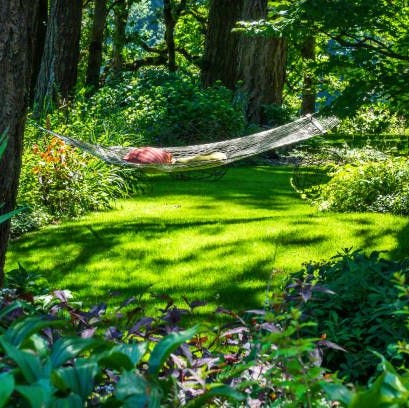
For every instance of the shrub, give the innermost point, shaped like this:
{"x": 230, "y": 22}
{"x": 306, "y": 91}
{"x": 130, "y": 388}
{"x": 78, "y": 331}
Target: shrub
{"x": 154, "y": 107}
{"x": 380, "y": 186}
{"x": 362, "y": 314}
{"x": 372, "y": 120}
{"x": 52, "y": 352}
{"x": 59, "y": 182}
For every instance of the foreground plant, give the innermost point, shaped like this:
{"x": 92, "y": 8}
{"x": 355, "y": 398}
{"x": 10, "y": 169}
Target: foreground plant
{"x": 53, "y": 353}
{"x": 354, "y": 300}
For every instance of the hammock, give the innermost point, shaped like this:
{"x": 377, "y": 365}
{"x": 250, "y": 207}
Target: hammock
{"x": 215, "y": 154}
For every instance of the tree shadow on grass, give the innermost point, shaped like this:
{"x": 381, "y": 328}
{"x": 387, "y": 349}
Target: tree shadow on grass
{"x": 259, "y": 187}
{"x": 402, "y": 249}
{"x": 110, "y": 245}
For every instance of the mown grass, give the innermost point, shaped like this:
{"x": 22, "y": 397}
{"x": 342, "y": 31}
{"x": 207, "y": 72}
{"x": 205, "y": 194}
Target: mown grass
{"x": 225, "y": 242}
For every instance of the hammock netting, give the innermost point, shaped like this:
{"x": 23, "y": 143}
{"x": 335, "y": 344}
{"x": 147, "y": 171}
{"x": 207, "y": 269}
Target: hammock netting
{"x": 215, "y": 154}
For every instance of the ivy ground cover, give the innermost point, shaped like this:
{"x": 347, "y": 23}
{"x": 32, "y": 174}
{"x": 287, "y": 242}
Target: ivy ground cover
{"x": 226, "y": 242}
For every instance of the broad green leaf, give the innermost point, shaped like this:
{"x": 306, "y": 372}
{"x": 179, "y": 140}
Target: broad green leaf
{"x": 337, "y": 392}
{"x": 22, "y": 329}
{"x": 155, "y": 396}
{"x": 166, "y": 346}
{"x": 123, "y": 356}
{"x": 135, "y": 352}
{"x": 78, "y": 378}
{"x": 387, "y": 390}
{"x": 67, "y": 348}
{"x": 136, "y": 401}
{"x": 72, "y": 401}
{"x": 219, "y": 391}
{"x": 29, "y": 364}
{"x": 38, "y": 344}
{"x": 6, "y": 387}
{"x": 151, "y": 399}
{"x": 132, "y": 389}
{"x": 37, "y": 394}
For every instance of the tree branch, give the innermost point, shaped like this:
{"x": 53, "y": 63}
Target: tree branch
{"x": 148, "y": 61}
{"x": 135, "y": 37}
{"x": 365, "y": 42}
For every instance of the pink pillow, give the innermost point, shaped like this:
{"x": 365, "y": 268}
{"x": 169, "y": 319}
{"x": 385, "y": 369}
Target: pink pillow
{"x": 148, "y": 155}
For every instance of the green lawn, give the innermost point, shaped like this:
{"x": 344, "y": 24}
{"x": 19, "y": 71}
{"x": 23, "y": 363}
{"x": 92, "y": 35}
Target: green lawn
{"x": 225, "y": 241}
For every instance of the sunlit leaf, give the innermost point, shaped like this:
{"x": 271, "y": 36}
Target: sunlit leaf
{"x": 6, "y": 387}
{"x": 166, "y": 346}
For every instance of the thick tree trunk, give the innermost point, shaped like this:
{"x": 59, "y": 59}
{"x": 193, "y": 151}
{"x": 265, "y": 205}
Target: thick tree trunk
{"x": 40, "y": 33}
{"x": 95, "y": 45}
{"x": 17, "y": 32}
{"x": 220, "y": 57}
{"x": 58, "y": 72}
{"x": 119, "y": 36}
{"x": 257, "y": 62}
{"x": 308, "y": 94}
{"x": 170, "y": 23}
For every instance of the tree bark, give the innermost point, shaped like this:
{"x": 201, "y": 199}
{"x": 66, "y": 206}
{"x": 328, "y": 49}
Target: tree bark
{"x": 17, "y": 31}
{"x": 220, "y": 57}
{"x": 95, "y": 45}
{"x": 40, "y": 33}
{"x": 259, "y": 63}
{"x": 119, "y": 36}
{"x": 309, "y": 93}
{"x": 58, "y": 72}
{"x": 170, "y": 23}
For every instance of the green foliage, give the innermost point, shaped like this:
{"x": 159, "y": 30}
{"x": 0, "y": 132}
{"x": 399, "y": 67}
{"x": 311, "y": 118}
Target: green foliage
{"x": 362, "y": 314}
{"x": 373, "y": 119}
{"x": 364, "y": 54}
{"x": 391, "y": 386}
{"x": 381, "y": 186}
{"x": 59, "y": 182}
{"x": 157, "y": 108}
{"x": 258, "y": 359}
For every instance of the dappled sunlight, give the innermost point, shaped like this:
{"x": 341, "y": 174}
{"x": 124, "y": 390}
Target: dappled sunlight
{"x": 224, "y": 242}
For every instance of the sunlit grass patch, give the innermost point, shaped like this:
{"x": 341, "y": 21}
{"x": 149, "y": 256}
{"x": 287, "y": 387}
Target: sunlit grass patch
{"x": 224, "y": 242}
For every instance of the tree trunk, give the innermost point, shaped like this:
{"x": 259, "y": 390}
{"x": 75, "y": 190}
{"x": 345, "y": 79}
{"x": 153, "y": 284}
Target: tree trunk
{"x": 40, "y": 33}
{"x": 17, "y": 21}
{"x": 58, "y": 72}
{"x": 308, "y": 94}
{"x": 257, "y": 62}
{"x": 119, "y": 36}
{"x": 95, "y": 45}
{"x": 170, "y": 23}
{"x": 220, "y": 57}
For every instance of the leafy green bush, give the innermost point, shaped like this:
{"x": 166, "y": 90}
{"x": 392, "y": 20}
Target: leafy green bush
{"x": 390, "y": 388}
{"x": 158, "y": 108}
{"x": 372, "y": 120}
{"x": 381, "y": 186}
{"x": 58, "y": 182}
{"x": 362, "y": 314}
{"x": 52, "y": 353}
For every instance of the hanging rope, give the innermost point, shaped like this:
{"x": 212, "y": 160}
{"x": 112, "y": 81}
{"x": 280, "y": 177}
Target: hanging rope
{"x": 215, "y": 154}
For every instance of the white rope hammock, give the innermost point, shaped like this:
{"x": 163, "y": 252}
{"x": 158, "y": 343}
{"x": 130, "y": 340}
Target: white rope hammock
{"x": 215, "y": 154}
